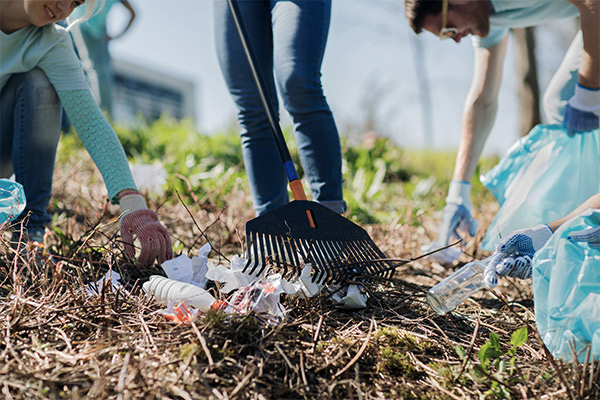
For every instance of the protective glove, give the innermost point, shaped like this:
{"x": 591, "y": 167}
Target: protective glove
{"x": 514, "y": 254}
{"x": 457, "y": 218}
{"x": 591, "y": 236}
{"x": 138, "y": 220}
{"x": 582, "y": 111}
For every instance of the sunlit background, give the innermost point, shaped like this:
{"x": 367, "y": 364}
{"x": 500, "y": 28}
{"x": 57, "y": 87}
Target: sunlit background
{"x": 377, "y": 74}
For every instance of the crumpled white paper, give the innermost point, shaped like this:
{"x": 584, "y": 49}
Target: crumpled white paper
{"x": 188, "y": 270}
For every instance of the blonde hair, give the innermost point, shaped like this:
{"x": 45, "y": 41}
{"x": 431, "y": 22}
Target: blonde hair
{"x": 92, "y": 7}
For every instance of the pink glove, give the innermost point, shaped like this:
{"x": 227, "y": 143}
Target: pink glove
{"x": 138, "y": 220}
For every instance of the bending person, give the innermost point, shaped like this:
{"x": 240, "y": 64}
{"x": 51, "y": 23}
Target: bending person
{"x": 573, "y": 97}
{"x": 288, "y": 38}
{"x": 39, "y": 71}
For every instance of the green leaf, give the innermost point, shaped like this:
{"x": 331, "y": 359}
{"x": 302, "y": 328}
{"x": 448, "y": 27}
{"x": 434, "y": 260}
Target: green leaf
{"x": 460, "y": 351}
{"x": 484, "y": 353}
{"x": 519, "y": 337}
{"x": 495, "y": 340}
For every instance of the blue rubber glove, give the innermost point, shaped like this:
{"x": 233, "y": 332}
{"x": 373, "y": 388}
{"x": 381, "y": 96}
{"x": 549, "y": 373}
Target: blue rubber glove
{"x": 514, "y": 254}
{"x": 591, "y": 236}
{"x": 582, "y": 111}
{"x": 457, "y": 221}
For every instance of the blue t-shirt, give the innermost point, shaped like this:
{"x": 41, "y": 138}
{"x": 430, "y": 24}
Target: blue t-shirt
{"x": 49, "y": 48}
{"x": 520, "y": 14}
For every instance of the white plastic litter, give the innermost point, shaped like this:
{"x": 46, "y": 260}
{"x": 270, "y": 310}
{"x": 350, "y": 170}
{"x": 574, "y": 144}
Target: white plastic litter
{"x": 167, "y": 291}
{"x": 96, "y": 288}
{"x": 262, "y": 297}
{"x": 150, "y": 177}
{"x": 233, "y": 277}
{"x": 354, "y": 299}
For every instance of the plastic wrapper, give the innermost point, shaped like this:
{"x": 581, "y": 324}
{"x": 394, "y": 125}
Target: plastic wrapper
{"x": 262, "y": 297}
{"x": 12, "y": 200}
{"x": 566, "y": 288}
{"x": 543, "y": 177}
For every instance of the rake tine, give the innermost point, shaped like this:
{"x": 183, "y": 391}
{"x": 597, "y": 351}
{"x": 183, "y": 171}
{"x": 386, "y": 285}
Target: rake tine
{"x": 333, "y": 261}
{"x": 296, "y": 246}
{"x": 252, "y": 254}
{"x": 327, "y": 260}
{"x": 290, "y": 252}
{"x": 317, "y": 258}
{"x": 281, "y": 249}
{"x": 337, "y": 261}
{"x": 262, "y": 253}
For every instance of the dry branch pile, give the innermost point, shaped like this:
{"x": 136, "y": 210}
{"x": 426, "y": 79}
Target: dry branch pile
{"x": 59, "y": 342}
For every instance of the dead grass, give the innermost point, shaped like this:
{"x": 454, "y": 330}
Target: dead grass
{"x": 57, "y": 342}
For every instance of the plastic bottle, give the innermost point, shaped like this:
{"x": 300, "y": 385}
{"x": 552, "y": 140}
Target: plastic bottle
{"x": 12, "y": 200}
{"x": 165, "y": 290}
{"x": 453, "y": 290}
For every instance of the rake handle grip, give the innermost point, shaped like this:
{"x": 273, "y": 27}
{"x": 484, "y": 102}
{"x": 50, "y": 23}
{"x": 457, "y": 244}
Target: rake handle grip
{"x": 290, "y": 170}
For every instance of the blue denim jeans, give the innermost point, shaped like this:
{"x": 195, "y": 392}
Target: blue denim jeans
{"x": 288, "y": 39}
{"x": 30, "y": 118}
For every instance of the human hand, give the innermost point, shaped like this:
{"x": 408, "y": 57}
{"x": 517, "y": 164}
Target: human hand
{"x": 457, "y": 219}
{"x": 138, "y": 220}
{"x": 514, "y": 254}
{"x": 582, "y": 111}
{"x": 591, "y": 236}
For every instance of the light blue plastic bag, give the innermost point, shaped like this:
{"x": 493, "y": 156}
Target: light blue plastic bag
{"x": 12, "y": 200}
{"x": 543, "y": 177}
{"x": 566, "y": 291}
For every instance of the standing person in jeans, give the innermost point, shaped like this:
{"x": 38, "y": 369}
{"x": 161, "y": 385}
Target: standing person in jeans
{"x": 288, "y": 38}
{"x": 39, "y": 71}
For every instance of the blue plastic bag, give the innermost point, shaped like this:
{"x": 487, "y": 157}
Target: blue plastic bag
{"x": 543, "y": 177}
{"x": 12, "y": 200}
{"x": 566, "y": 291}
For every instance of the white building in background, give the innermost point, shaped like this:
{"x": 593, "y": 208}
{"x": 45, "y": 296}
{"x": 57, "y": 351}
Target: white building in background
{"x": 142, "y": 91}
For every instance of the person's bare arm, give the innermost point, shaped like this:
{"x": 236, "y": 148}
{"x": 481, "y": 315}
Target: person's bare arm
{"x": 131, "y": 10}
{"x": 589, "y": 70}
{"x": 480, "y": 109}
{"x": 592, "y": 202}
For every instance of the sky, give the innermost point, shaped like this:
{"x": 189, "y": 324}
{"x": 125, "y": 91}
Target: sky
{"x": 372, "y": 75}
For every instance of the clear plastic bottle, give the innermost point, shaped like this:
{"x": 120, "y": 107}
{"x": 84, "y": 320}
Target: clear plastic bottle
{"x": 453, "y": 290}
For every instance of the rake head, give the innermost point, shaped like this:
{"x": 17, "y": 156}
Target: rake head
{"x": 337, "y": 248}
